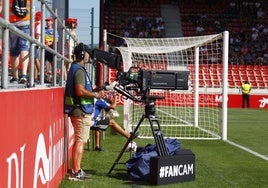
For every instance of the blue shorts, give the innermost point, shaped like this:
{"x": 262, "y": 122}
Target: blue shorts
{"x": 18, "y": 44}
{"x": 36, "y": 52}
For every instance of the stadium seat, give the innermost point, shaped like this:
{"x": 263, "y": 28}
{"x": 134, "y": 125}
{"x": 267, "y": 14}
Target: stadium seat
{"x": 244, "y": 77}
{"x": 208, "y": 83}
{"x": 235, "y": 72}
{"x": 201, "y": 83}
{"x": 231, "y": 84}
{"x": 261, "y": 85}
{"x": 259, "y": 78}
{"x": 254, "y": 84}
{"x": 242, "y": 72}
{"x": 237, "y": 78}
{"x": 250, "y": 72}
{"x": 237, "y": 83}
{"x": 251, "y": 78}
{"x": 216, "y": 83}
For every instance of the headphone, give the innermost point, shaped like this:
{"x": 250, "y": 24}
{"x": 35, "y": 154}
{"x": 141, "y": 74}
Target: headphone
{"x": 79, "y": 51}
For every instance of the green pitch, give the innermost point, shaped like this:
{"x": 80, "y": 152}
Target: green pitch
{"x": 218, "y": 163}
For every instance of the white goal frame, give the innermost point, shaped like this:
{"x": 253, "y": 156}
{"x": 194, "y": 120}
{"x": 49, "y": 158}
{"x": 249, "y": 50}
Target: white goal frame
{"x": 163, "y": 46}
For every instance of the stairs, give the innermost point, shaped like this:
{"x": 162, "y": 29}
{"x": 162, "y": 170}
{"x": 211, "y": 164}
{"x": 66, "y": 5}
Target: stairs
{"x": 171, "y": 16}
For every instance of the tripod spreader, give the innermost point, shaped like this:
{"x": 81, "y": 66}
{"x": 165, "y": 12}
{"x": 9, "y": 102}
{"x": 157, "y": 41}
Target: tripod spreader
{"x": 155, "y": 127}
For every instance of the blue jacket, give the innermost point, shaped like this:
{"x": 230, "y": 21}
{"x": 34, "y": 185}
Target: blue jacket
{"x": 71, "y": 100}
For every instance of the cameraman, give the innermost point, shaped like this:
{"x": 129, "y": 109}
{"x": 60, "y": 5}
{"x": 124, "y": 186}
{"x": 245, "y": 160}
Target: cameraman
{"x": 79, "y": 105}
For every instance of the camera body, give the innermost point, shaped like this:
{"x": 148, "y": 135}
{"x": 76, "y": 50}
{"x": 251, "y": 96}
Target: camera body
{"x": 144, "y": 80}
{"x": 139, "y": 81}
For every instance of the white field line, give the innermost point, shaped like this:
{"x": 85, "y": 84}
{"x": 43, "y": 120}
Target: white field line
{"x": 248, "y": 150}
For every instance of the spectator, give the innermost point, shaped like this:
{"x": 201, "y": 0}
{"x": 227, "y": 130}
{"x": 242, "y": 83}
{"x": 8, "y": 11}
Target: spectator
{"x": 244, "y": 49}
{"x": 19, "y": 47}
{"x": 49, "y": 41}
{"x": 246, "y": 89}
{"x": 103, "y": 118}
{"x": 248, "y": 58}
{"x": 260, "y": 13}
{"x": 161, "y": 29}
{"x": 37, "y": 34}
{"x": 71, "y": 24}
{"x": 79, "y": 105}
{"x": 199, "y": 30}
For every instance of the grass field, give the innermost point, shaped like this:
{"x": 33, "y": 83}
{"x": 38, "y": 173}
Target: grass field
{"x": 218, "y": 163}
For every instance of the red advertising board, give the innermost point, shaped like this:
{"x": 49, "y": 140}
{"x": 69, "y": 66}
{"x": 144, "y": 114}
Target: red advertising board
{"x": 34, "y": 138}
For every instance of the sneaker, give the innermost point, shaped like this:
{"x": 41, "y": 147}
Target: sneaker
{"x": 14, "y": 81}
{"x": 81, "y": 175}
{"x": 98, "y": 148}
{"x": 84, "y": 174}
{"x": 76, "y": 177}
{"x": 23, "y": 79}
{"x": 132, "y": 147}
{"x": 114, "y": 113}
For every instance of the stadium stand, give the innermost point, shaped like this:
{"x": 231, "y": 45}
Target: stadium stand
{"x": 248, "y": 56}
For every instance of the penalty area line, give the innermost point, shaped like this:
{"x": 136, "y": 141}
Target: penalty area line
{"x": 248, "y": 150}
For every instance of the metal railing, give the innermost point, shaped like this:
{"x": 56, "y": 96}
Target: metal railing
{"x": 59, "y": 56}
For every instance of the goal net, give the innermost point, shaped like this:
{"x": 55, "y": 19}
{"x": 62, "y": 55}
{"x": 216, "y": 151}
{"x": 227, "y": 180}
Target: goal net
{"x": 196, "y": 113}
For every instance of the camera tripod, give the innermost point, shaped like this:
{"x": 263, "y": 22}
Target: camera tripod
{"x": 155, "y": 127}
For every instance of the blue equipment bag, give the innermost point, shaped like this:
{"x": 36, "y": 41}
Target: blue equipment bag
{"x": 138, "y": 167}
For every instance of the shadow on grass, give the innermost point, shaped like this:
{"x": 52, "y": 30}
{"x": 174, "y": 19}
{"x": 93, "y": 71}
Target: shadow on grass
{"x": 123, "y": 176}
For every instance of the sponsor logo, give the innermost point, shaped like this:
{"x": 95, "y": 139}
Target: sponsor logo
{"x": 176, "y": 170}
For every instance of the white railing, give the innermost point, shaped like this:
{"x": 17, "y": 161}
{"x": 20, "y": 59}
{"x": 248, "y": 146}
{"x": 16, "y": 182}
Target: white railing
{"x": 59, "y": 58}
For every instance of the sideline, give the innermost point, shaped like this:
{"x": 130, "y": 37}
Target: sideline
{"x": 248, "y": 150}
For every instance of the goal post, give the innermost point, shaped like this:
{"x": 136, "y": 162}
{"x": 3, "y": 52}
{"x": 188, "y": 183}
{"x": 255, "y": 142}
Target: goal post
{"x": 197, "y": 113}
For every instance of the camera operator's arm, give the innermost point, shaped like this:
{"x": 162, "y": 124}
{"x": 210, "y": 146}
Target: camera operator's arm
{"x": 82, "y": 92}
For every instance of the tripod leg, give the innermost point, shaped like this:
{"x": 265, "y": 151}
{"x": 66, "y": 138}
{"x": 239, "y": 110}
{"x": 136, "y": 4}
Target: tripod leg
{"x": 126, "y": 144}
{"x": 158, "y": 136}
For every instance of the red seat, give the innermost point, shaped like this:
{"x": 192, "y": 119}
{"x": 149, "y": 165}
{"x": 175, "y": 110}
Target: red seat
{"x": 216, "y": 83}
{"x": 236, "y": 78}
{"x": 253, "y": 84}
{"x": 251, "y": 78}
{"x": 208, "y": 83}
{"x": 235, "y": 72}
{"x": 261, "y": 85}
{"x": 238, "y": 83}
{"x": 250, "y": 72}
{"x": 231, "y": 84}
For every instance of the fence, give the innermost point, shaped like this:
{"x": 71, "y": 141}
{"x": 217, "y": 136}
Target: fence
{"x": 57, "y": 51}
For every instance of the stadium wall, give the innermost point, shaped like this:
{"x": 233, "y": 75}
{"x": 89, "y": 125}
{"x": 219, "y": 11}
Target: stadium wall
{"x": 35, "y": 138}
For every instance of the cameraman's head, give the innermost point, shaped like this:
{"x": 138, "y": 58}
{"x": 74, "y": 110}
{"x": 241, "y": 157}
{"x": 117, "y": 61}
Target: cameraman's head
{"x": 82, "y": 53}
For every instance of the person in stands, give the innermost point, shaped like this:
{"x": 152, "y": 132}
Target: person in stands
{"x": 103, "y": 117}
{"x": 246, "y": 89}
{"x": 37, "y": 34}
{"x": 49, "y": 41}
{"x": 71, "y": 40}
{"x": 19, "y": 47}
{"x": 79, "y": 105}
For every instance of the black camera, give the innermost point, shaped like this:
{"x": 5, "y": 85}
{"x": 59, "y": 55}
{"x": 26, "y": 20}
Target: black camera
{"x": 143, "y": 80}
{"x": 139, "y": 81}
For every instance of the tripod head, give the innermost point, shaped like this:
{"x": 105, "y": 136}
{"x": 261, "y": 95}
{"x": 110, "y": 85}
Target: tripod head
{"x": 149, "y": 102}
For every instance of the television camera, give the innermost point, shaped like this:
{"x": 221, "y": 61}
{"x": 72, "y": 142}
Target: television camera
{"x": 135, "y": 84}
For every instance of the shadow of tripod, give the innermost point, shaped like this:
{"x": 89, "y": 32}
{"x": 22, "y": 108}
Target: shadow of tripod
{"x": 162, "y": 150}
